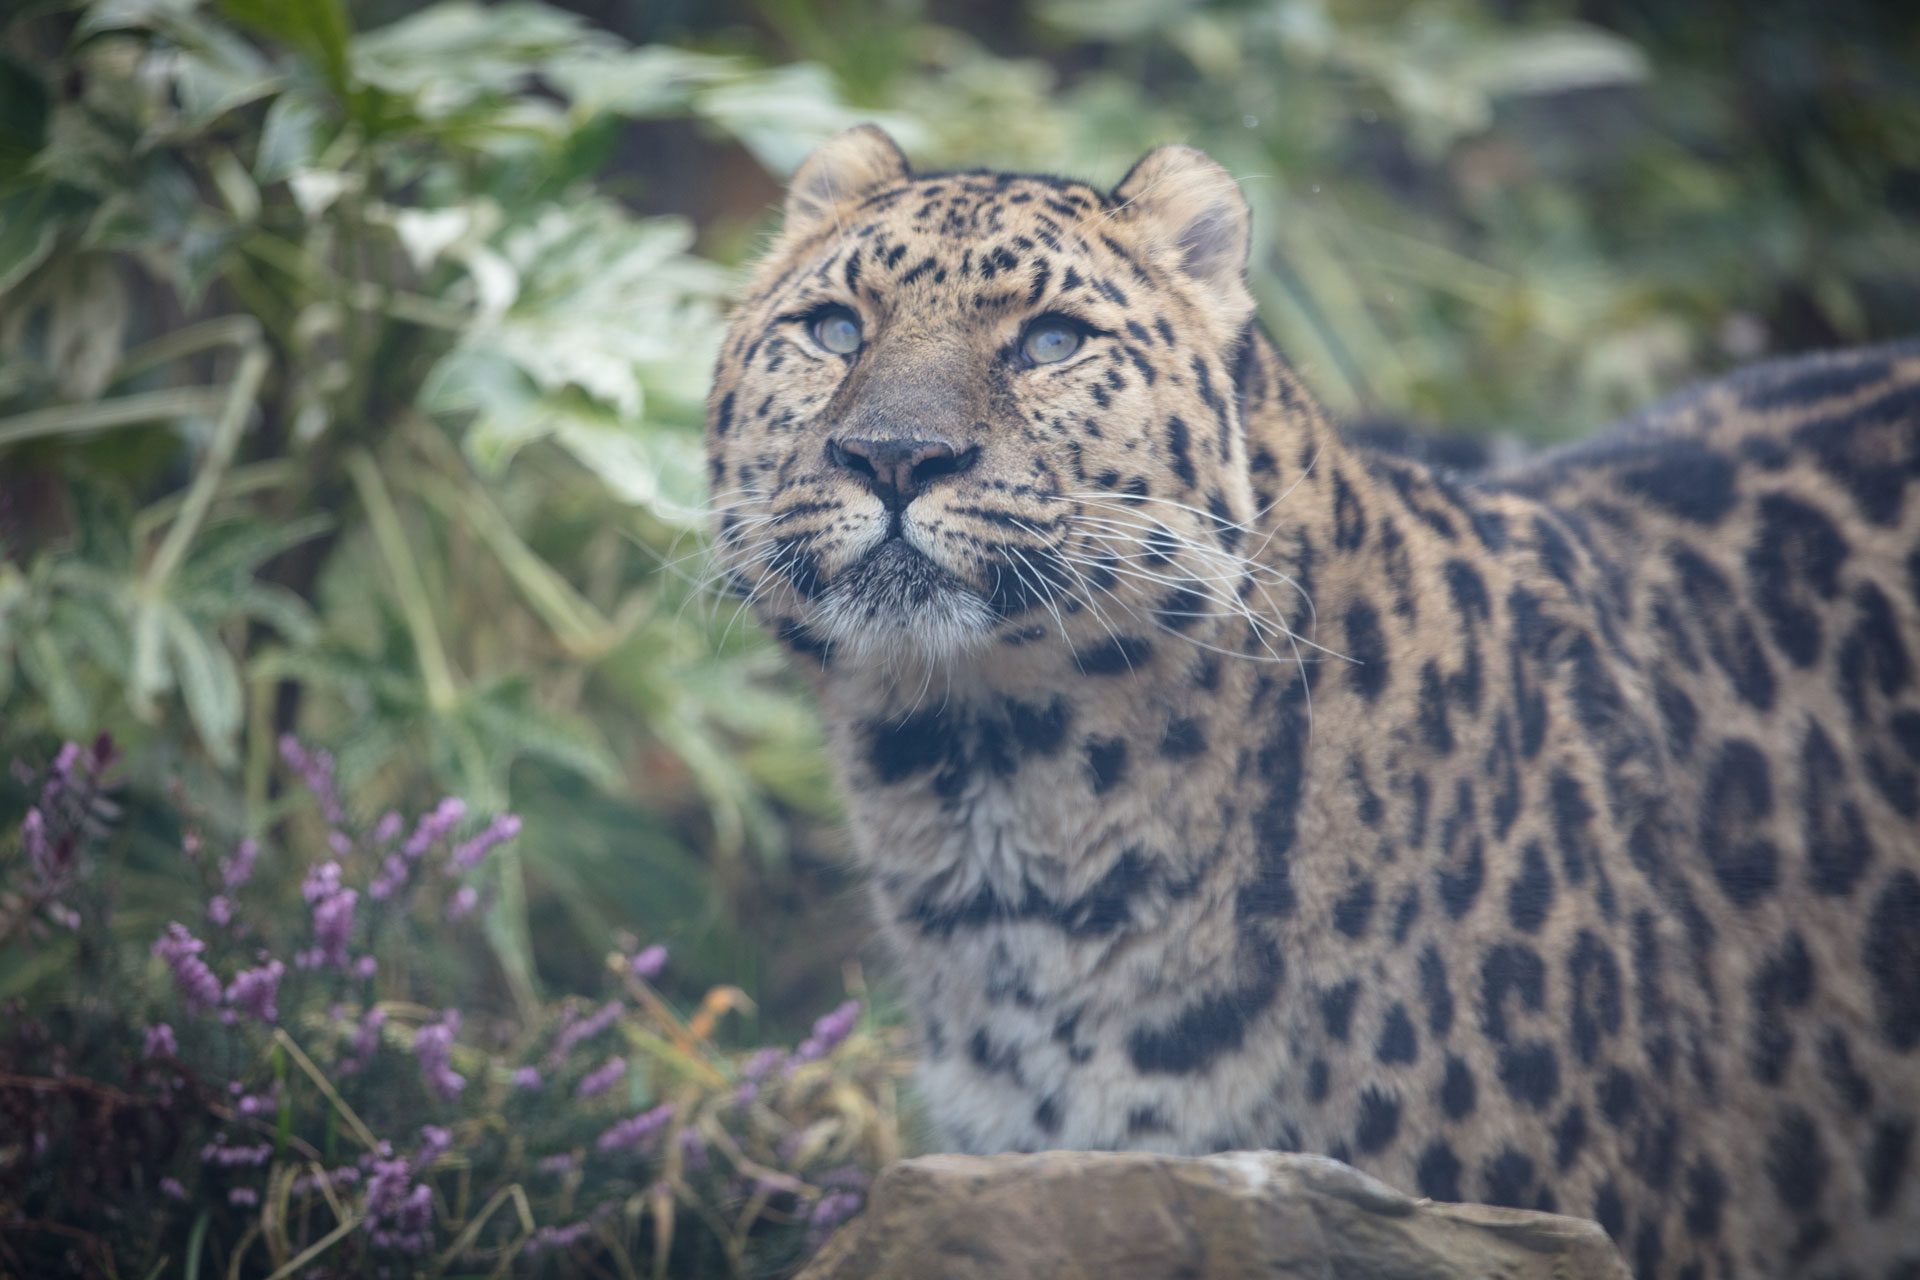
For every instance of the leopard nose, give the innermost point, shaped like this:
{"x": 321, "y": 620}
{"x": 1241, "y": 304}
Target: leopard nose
{"x": 898, "y": 471}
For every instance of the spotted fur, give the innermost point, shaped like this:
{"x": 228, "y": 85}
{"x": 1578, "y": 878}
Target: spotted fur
{"x": 1547, "y": 839}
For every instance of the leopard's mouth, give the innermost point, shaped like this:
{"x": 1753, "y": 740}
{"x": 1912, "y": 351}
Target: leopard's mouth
{"x": 896, "y": 595}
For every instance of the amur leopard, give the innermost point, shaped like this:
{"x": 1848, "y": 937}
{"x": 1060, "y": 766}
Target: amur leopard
{"x": 1549, "y": 838}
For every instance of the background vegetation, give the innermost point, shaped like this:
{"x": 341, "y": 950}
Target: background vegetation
{"x": 351, "y": 368}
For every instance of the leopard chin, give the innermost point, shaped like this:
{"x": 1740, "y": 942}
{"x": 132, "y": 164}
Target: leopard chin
{"x": 896, "y": 602}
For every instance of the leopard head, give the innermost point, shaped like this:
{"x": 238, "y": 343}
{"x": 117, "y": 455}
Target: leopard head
{"x": 955, "y": 408}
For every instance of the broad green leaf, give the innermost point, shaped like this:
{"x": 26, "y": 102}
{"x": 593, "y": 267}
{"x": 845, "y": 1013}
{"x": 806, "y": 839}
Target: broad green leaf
{"x": 507, "y": 720}
{"x": 95, "y": 627}
{"x": 1554, "y": 61}
{"x": 783, "y": 114}
{"x": 89, "y": 311}
{"x": 226, "y": 554}
{"x": 445, "y": 58}
{"x": 28, "y": 229}
{"x": 50, "y": 670}
{"x": 663, "y": 470}
{"x": 429, "y": 234}
{"x": 208, "y": 681}
{"x": 318, "y": 28}
{"x": 115, "y": 15}
{"x": 25, "y": 108}
{"x": 276, "y": 606}
{"x": 217, "y": 72}
{"x": 315, "y": 190}
{"x": 291, "y": 137}
{"x": 649, "y": 81}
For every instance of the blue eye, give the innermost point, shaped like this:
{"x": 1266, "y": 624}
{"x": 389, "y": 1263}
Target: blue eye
{"x": 1049, "y": 341}
{"x": 838, "y": 331}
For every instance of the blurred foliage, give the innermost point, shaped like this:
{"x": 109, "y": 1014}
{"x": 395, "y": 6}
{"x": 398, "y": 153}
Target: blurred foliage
{"x": 288, "y": 1085}
{"x": 334, "y": 398}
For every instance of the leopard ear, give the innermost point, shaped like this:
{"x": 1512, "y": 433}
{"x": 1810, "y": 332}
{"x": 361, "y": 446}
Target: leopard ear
{"x": 1191, "y": 208}
{"x": 840, "y": 171}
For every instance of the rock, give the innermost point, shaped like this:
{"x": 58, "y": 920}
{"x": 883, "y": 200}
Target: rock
{"x": 1084, "y": 1215}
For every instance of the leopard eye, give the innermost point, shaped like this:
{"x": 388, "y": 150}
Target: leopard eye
{"x": 1049, "y": 340}
{"x": 837, "y": 330}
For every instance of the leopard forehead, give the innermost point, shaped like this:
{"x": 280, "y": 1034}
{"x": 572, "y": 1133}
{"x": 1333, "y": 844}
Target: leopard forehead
{"x": 976, "y": 246}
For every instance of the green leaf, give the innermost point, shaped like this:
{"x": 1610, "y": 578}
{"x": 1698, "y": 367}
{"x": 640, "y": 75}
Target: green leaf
{"x": 783, "y": 114}
{"x": 28, "y": 229}
{"x": 208, "y": 681}
{"x": 662, "y": 470}
{"x": 318, "y": 28}
{"x": 217, "y": 71}
{"x": 290, "y": 137}
{"x": 25, "y": 109}
{"x": 279, "y": 608}
{"x": 444, "y": 59}
{"x": 505, "y": 718}
{"x": 1557, "y": 60}
{"x": 50, "y": 671}
{"x": 228, "y": 553}
{"x": 120, "y": 15}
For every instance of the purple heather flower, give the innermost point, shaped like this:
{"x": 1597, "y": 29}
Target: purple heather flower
{"x": 343, "y": 1176}
{"x": 387, "y": 830}
{"x": 340, "y": 843}
{"x": 243, "y": 1197}
{"x": 68, "y": 805}
{"x": 693, "y": 1150}
{"x": 648, "y": 963}
{"x": 526, "y": 1078}
{"x": 433, "y": 1048}
{"x": 434, "y": 827}
{"x": 171, "y": 1188}
{"x": 602, "y": 1078}
{"x": 333, "y": 908}
{"x": 220, "y": 910}
{"x": 258, "y": 1104}
{"x": 254, "y": 991}
{"x": 834, "y": 1209}
{"x": 316, "y": 771}
{"x": 829, "y": 1030}
{"x": 763, "y": 1063}
{"x": 366, "y": 1039}
{"x": 558, "y": 1165}
{"x": 237, "y": 870}
{"x": 847, "y": 1177}
{"x": 160, "y": 1042}
{"x": 634, "y": 1130}
{"x": 399, "y": 1212}
{"x": 473, "y": 852}
{"x": 322, "y": 881}
{"x": 394, "y": 871}
{"x": 576, "y": 1031}
{"x": 365, "y": 967}
{"x": 557, "y": 1239}
{"x": 219, "y": 1153}
{"x": 39, "y": 849}
{"x": 462, "y": 903}
{"x": 435, "y": 1141}
{"x": 181, "y": 950}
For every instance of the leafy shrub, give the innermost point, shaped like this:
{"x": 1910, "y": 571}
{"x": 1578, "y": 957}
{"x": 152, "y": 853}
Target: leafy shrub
{"x": 275, "y": 1093}
{"x": 334, "y": 398}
